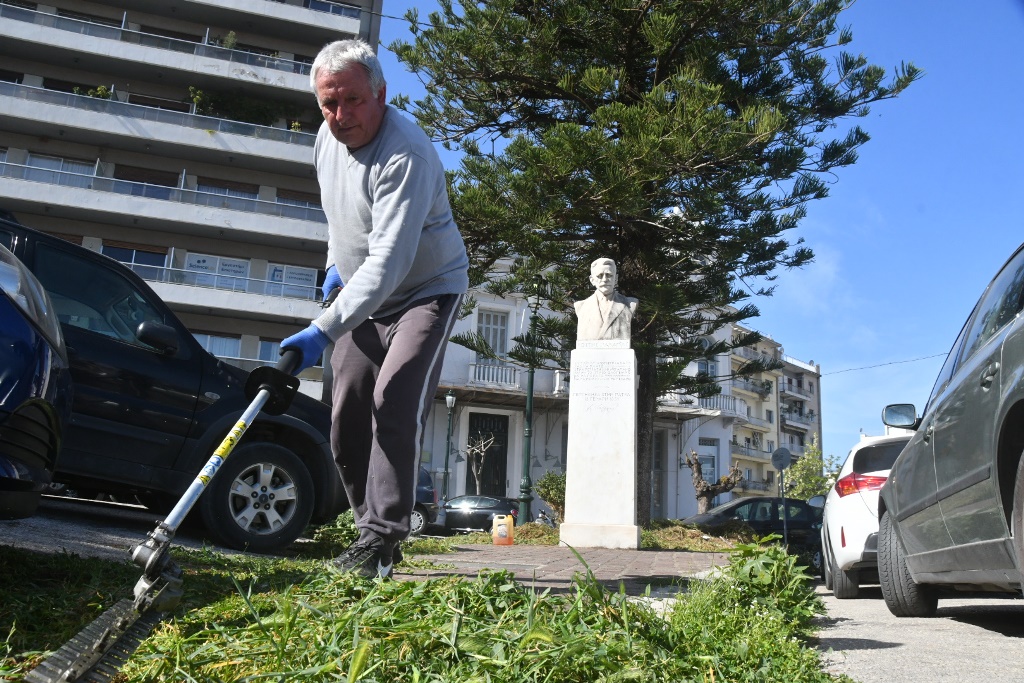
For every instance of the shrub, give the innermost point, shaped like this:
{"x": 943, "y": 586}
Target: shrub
{"x": 551, "y": 489}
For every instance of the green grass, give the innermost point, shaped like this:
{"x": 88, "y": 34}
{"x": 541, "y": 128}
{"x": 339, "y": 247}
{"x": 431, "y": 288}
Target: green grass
{"x": 247, "y": 619}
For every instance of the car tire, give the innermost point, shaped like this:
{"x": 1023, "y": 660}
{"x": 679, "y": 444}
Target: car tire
{"x": 417, "y": 521}
{"x": 903, "y": 596}
{"x": 826, "y": 565}
{"x": 1017, "y": 518}
{"x": 265, "y": 475}
{"x": 845, "y": 584}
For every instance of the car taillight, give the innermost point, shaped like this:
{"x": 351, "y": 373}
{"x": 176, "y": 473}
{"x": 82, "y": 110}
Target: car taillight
{"x": 514, "y": 513}
{"x": 855, "y": 483}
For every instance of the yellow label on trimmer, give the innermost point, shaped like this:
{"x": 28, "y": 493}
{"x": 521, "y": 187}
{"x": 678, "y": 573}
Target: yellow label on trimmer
{"x": 229, "y": 442}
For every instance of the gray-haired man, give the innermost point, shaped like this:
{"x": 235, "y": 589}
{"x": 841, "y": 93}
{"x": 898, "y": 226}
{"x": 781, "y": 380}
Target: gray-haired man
{"x": 393, "y": 243}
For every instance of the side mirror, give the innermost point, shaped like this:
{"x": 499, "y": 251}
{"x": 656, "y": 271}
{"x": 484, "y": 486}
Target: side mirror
{"x": 902, "y": 415}
{"x": 816, "y": 501}
{"x": 163, "y": 338}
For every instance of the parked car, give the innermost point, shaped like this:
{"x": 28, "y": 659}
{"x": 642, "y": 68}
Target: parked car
{"x": 764, "y": 514}
{"x": 35, "y": 389}
{"x": 425, "y": 511}
{"x": 849, "y": 529}
{"x": 476, "y": 513}
{"x": 952, "y": 510}
{"x": 151, "y": 405}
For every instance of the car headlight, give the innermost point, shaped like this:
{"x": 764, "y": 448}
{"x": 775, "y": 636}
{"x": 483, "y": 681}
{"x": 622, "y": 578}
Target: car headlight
{"x": 24, "y": 290}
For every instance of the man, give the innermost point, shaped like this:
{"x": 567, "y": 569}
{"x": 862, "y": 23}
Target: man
{"x": 606, "y": 314}
{"x": 393, "y": 243}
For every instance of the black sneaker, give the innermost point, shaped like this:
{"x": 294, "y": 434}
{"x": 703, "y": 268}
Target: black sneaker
{"x": 372, "y": 559}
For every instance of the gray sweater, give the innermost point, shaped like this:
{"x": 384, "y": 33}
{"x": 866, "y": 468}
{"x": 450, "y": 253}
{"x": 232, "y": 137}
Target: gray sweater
{"x": 391, "y": 234}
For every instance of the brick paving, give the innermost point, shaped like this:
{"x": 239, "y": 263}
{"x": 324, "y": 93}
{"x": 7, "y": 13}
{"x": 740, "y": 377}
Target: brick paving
{"x": 554, "y": 567}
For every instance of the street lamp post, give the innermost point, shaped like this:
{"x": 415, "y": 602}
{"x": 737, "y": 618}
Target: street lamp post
{"x": 526, "y": 485}
{"x": 449, "y": 400}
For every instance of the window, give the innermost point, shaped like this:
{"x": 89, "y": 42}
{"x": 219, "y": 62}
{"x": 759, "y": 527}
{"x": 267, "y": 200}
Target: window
{"x": 291, "y": 281}
{"x": 493, "y": 327}
{"x": 222, "y": 347}
{"x": 306, "y": 200}
{"x": 11, "y": 76}
{"x": 270, "y": 351}
{"x": 769, "y": 415}
{"x": 110, "y": 305}
{"x": 998, "y": 307}
{"x": 770, "y": 478}
{"x": 73, "y": 172}
{"x": 148, "y": 264}
{"x": 228, "y": 188}
{"x": 707, "y": 367}
{"x": 210, "y": 269}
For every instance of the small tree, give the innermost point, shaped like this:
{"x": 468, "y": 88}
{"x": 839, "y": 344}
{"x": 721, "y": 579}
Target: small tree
{"x": 551, "y": 489}
{"x": 476, "y": 455}
{"x": 705, "y": 490}
{"x": 811, "y": 474}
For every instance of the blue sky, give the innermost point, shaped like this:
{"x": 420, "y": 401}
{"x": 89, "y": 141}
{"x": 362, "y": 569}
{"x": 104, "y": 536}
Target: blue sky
{"x": 910, "y": 235}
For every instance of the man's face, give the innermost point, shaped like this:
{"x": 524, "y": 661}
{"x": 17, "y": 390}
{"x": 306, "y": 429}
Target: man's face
{"x": 603, "y": 279}
{"x": 350, "y": 108}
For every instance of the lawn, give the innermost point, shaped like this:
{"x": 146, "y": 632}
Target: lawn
{"x": 246, "y": 618}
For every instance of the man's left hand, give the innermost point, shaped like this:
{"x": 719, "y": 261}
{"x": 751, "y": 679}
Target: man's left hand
{"x": 311, "y": 343}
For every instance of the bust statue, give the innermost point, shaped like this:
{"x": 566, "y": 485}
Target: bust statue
{"x": 606, "y": 314}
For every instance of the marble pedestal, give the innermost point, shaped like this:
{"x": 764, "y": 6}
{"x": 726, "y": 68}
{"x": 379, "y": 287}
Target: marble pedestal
{"x": 600, "y": 486}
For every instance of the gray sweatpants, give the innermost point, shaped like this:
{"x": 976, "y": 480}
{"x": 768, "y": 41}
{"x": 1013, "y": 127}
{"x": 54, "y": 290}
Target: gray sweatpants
{"x": 385, "y": 374}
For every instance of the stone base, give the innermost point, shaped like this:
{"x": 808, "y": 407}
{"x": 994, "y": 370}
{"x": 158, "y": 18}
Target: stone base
{"x": 625, "y": 536}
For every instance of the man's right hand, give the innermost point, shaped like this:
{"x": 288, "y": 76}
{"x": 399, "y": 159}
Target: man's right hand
{"x": 332, "y": 281}
{"x": 311, "y": 342}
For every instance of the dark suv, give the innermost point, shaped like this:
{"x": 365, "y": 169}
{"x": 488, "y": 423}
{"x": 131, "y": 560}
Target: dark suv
{"x": 151, "y": 405}
{"x": 951, "y": 514}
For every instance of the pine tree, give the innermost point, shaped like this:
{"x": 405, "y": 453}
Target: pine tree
{"x": 681, "y": 138}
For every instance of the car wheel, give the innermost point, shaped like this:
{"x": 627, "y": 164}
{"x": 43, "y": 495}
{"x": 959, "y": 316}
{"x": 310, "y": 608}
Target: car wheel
{"x": 1017, "y": 519}
{"x": 260, "y": 500}
{"x": 417, "y": 521}
{"x": 845, "y": 584}
{"x": 903, "y": 597}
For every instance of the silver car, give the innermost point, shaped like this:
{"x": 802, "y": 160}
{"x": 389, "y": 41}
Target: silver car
{"x": 952, "y": 510}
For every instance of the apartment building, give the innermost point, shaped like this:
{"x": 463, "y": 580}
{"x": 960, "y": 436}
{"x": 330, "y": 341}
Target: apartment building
{"x": 177, "y": 137}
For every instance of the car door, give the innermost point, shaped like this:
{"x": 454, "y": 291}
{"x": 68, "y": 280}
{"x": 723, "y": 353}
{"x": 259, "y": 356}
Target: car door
{"x": 964, "y": 428}
{"x": 133, "y": 404}
{"x": 912, "y": 479}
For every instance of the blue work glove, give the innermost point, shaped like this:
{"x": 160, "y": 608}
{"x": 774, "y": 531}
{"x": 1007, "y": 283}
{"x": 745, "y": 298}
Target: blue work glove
{"x": 331, "y": 282}
{"x": 311, "y": 342}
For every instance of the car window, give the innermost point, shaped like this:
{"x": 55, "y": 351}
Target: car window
{"x": 795, "y": 512}
{"x": 878, "y": 457}
{"x": 947, "y": 369}
{"x": 998, "y": 307}
{"x": 425, "y": 479}
{"x": 743, "y": 511}
{"x": 89, "y": 296}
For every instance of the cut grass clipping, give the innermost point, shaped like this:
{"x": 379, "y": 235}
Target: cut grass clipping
{"x": 749, "y": 623}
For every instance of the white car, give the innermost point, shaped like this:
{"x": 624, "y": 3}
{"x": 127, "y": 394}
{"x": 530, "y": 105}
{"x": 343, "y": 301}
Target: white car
{"x": 849, "y": 527}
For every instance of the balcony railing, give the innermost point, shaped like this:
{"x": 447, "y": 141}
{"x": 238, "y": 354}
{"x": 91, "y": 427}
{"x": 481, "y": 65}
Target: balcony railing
{"x": 749, "y": 353}
{"x": 145, "y": 113}
{"x": 90, "y": 182}
{"x": 192, "y": 278}
{"x": 159, "y": 42}
{"x": 751, "y": 485}
{"x": 333, "y": 8}
{"x": 749, "y": 452}
{"x": 793, "y": 389}
{"x": 760, "y": 387}
{"x": 496, "y": 374}
{"x": 796, "y": 418}
{"x": 759, "y": 422}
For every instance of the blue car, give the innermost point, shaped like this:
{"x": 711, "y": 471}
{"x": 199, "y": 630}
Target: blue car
{"x": 35, "y": 389}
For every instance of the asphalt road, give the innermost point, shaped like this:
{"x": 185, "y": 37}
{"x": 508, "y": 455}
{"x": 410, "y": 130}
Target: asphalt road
{"x": 971, "y": 640}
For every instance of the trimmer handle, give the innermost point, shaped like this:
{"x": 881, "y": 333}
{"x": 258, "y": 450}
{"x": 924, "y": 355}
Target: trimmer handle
{"x": 289, "y": 361}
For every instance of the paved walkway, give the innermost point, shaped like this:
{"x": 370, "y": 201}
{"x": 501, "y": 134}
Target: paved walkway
{"x": 665, "y": 571}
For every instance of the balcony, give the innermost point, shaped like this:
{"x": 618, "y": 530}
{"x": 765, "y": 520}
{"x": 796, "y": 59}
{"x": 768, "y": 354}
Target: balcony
{"x": 721, "y": 405}
{"x": 149, "y": 130}
{"x": 204, "y": 51}
{"x": 751, "y": 485}
{"x": 497, "y": 375}
{"x": 192, "y": 278}
{"x": 738, "y": 450}
{"x": 91, "y": 197}
{"x": 792, "y": 390}
{"x": 794, "y": 419}
{"x": 760, "y": 424}
{"x": 761, "y": 387}
{"x": 749, "y": 353}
